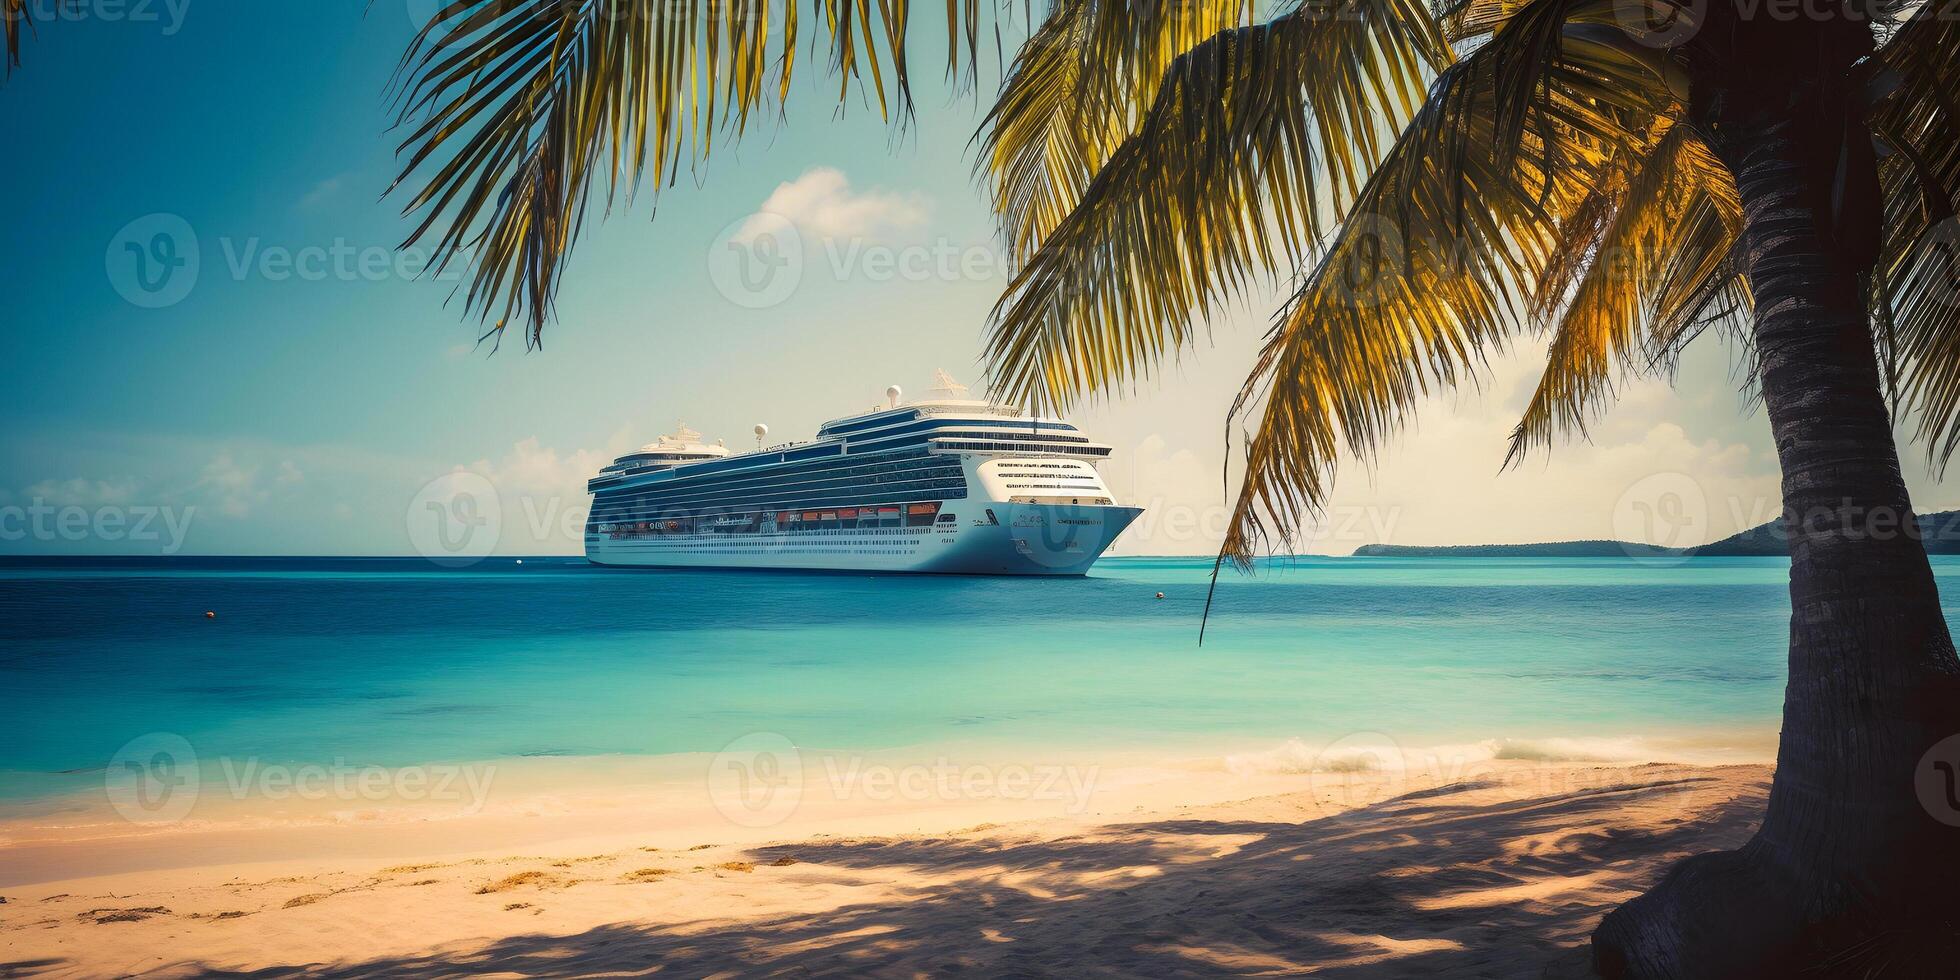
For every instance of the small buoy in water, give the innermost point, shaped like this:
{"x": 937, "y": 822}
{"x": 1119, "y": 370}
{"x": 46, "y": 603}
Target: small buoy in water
{"x": 1160, "y": 595}
{"x": 208, "y": 614}
{"x": 520, "y": 561}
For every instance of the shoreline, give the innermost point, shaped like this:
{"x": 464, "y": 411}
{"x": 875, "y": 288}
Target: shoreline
{"x": 1206, "y": 871}
{"x": 284, "y": 813}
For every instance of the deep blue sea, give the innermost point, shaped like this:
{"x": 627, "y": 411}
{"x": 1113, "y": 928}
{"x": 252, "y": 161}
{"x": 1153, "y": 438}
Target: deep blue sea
{"x": 394, "y": 662}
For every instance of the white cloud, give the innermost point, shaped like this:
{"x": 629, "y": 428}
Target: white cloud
{"x": 81, "y": 492}
{"x": 1181, "y": 493}
{"x": 236, "y": 486}
{"x": 822, "y": 204}
{"x": 232, "y": 484}
{"x": 532, "y": 469}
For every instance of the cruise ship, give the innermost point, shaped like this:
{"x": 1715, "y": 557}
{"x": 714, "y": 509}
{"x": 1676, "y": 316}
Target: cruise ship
{"x": 946, "y": 484}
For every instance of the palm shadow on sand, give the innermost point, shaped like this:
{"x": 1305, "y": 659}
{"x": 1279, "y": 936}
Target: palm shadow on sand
{"x": 1430, "y": 883}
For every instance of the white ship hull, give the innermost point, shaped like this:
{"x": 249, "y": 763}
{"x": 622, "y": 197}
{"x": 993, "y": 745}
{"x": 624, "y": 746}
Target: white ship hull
{"x": 1023, "y": 539}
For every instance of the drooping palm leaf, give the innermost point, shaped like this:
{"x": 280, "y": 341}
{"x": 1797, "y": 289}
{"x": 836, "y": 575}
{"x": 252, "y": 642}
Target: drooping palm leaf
{"x": 1257, "y": 140}
{"x": 1920, "y": 269}
{"x": 1464, "y": 19}
{"x": 1435, "y": 268}
{"x": 1633, "y": 270}
{"x": 1074, "y": 92}
{"x": 515, "y": 111}
{"x": 18, "y": 18}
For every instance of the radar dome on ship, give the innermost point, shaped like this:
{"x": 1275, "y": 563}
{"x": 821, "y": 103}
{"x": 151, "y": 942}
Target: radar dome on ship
{"x": 892, "y": 394}
{"x": 761, "y": 430}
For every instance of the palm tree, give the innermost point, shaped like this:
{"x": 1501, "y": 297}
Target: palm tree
{"x": 1620, "y": 175}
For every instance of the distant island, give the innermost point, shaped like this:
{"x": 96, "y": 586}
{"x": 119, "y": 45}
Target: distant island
{"x": 1941, "y": 532}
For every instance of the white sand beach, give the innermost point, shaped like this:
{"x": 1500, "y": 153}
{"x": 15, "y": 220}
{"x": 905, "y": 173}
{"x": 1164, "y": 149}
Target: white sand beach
{"x": 1500, "y": 870}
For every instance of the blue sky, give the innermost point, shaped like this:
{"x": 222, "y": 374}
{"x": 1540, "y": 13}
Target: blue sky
{"x": 302, "y": 414}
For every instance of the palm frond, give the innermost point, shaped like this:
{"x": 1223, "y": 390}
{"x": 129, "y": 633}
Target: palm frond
{"x": 1074, "y": 91}
{"x": 19, "y": 18}
{"x": 1919, "y": 272}
{"x": 514, "y": 111}
{"x": 1633, "y": 269}
{"x": 1435, "y": 268}
{"x": 1257, "y": 140}
{"x": 1463, "y": 20}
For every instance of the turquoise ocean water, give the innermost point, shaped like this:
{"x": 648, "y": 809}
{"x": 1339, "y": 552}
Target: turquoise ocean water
{"x": 394, "y": 662}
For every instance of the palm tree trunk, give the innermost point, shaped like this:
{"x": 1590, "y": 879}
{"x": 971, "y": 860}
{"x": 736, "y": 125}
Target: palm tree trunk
{"x": 1848, "y": 864}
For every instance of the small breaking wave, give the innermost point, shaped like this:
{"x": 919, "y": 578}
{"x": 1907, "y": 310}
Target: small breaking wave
{"x": 1368, "y": 752}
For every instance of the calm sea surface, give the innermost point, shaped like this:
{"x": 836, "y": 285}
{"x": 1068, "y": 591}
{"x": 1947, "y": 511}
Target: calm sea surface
{"x": 393, "y": 662}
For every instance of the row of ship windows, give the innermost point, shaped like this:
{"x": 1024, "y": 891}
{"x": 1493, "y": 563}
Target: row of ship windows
{"x": 661, "y": 529}
{"x": 913, "y": 518}
{"x": 1026, "y": 447}
{"x": 727, "y": 473}
{"x": 722, "y": 549}
{"x": 939, "y": 475}
{"x": 628, "y": 507}
{"x": 1041, "y": 436}
{"x": 885, "y": 474}
{"x": 996, "y": 441}
{"x": 828, "y": 467}
{"x": 904, "y": 467}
